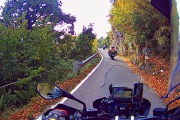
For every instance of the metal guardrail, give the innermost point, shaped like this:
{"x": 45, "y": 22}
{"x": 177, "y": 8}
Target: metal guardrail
{"x": 76, "y": 68}
{"x": 79, "y": 64}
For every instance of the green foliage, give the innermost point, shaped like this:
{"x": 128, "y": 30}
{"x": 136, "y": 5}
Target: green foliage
{"x": 7, "y": 100}
{"x": 23, "y": 50}
{"x": 28, "y": 57}
{"x": 65, "y": 46}
{"x": 95, "y": 45}
{"x": 32, "y": 51}
{"x": 106, "y": 41}
{"x": 163, "y": 36}
{"x": 2, "y": 102}
{"x": 100, "y": 41}
{"x": 84, "y": 44}
{"x": 64, "y": 68}
{"x": 33, "y": 10}
{"x": 70, "y": 75}
{"x": 36, "y": 12}
{"x": 13, "y": 56}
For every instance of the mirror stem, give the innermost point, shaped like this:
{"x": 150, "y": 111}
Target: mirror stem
{"x": 84, "y": 107}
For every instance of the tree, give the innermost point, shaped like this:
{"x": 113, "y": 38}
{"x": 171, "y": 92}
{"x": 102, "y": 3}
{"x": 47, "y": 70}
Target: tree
{"x": 138, "y": 21}
{"x": 23, "y": 50}
{"x": 84, "y": 43}
{"x": 106, "y": 41}
{"x": 65, "y": 45}
{"x": 28, "y": 56}
{"x": 137, "y": 18}
{"x": 95, "y": 45}
{"x": 13, "y": 56}
{"x": 36, "y": 11}
{"x": 100, "y": 41}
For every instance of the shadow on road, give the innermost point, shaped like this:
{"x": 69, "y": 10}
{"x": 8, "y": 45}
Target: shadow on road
{"x": 118, "y": 60}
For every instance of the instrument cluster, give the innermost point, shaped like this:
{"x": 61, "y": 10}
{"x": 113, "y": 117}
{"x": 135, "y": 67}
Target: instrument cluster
{"x": 122, "y": 93}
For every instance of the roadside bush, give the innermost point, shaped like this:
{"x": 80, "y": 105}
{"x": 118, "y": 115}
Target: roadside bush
{"x": 135, "y": 59}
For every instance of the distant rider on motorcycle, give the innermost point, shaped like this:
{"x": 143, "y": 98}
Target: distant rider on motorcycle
{"x": 112, "y": 52}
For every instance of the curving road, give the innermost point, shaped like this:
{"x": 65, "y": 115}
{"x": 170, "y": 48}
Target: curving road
{"x": 120, "y": 75}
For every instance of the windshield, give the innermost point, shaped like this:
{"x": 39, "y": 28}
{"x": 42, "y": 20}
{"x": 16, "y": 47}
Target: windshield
{"x": 174, "y": 80}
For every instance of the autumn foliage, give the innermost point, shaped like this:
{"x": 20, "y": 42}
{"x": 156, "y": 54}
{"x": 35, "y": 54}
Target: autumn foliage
{"x": 157, "y": 79}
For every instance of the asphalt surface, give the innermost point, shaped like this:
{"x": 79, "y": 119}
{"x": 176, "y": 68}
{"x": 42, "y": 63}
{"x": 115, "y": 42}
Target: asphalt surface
{"x": 119, "y": 75}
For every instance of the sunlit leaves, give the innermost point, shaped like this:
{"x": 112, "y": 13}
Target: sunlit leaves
{"x": 95, "y": 45}
{"x": 134, "y": 17}
{"x": 163, "y": 36}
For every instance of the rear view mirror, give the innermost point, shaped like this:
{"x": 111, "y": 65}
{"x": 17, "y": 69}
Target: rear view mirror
{"x": 48, "y": 91}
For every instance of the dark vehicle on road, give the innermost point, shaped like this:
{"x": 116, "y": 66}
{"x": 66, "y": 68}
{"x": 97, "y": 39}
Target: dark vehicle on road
{"x": 112, "y": 53}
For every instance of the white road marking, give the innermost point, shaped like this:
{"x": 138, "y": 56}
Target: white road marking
{"x": 79, "y": 85}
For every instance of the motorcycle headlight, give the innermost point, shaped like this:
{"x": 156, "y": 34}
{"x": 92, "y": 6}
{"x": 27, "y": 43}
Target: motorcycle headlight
{"x": 57, "y": 114}
{"x": 52, "y": 118}
{"x": 56, "y": 118}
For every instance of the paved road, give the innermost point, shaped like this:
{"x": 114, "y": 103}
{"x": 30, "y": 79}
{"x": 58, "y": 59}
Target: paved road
{"x": 120, "y": 75}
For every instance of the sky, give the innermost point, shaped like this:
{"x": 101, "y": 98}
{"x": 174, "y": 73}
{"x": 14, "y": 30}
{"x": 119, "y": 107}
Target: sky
{"x": 89, "y": 11}
{"x": 86, "y": 12}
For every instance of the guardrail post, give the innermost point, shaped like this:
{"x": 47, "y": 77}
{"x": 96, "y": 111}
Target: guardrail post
{"x": 77, "y": 66}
